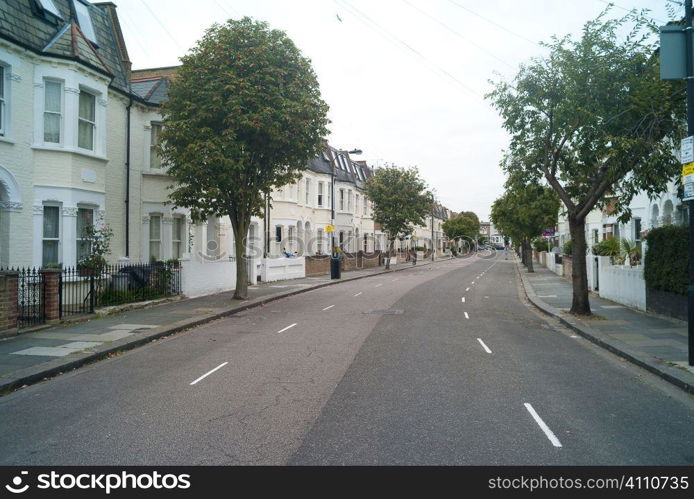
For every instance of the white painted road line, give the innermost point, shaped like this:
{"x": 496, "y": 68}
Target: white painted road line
{"x": 328, "y": 308}
{"x": 208, "y": 373}
{"x": 486, "y": 348}
{"x": 546, "y": 296}
{"x": 552, "y": 437}
{"x": 463, "y": 299}
{"x": 466, "y": 315}
{"x": 473, "y": 282}
{"x": 467, "y": 289}
{"x": 288, "y": 327}
{"x": 360, "y": 292}
{"x": 378, "y": 285}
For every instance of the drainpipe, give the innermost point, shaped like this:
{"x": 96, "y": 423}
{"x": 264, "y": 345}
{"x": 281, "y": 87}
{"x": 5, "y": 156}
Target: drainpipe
{"x": 127, "y": 180}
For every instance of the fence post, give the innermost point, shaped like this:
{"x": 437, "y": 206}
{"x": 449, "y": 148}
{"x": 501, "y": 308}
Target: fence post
{"x": 9, "y": 312}
{"x": 51, "y": 294}
{"x": 92, "y": 293}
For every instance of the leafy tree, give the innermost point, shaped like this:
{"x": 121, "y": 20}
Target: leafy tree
{"x": 401, "y": 201}
{"x": 523, "y": 212}
{"x": 593, "y": 118}
{"x": 464, "y": 226}
{"x": 244, "y": 115}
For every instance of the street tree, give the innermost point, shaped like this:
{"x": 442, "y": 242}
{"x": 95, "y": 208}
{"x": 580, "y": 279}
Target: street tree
{"x": 244, "y": 115}
{"x": 465, "y": 226}
{"x": 401, "y": 201}
{"x": 594, "y": 119}
{"x": 523, "y": 212}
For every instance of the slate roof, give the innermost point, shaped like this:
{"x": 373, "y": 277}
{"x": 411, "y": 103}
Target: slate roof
{"x": 151, "y": 90}
{"x": 25, "y": 23}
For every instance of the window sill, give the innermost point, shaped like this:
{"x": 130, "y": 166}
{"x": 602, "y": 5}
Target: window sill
{"x": 156, "y": 173}
{"x": 6, "y": 139}
{"x": 81, "y": 152}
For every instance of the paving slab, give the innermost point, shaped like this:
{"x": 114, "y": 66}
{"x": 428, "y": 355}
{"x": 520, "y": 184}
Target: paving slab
{"x": 656, "y": 343}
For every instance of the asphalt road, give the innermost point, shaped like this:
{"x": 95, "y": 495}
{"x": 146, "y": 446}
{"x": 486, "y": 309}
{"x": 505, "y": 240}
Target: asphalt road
{"x": 443, "y": 364}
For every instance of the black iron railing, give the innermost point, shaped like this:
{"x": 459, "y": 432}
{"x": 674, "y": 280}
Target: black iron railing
{"x": 83, "y": 289}
{"x": 30, "y": 298}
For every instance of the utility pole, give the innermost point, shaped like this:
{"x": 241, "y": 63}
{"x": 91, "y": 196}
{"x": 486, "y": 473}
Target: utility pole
{"x": 690, "y": 131}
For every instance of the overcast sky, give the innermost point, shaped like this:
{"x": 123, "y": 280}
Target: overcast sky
{"x": 404, "y": 79}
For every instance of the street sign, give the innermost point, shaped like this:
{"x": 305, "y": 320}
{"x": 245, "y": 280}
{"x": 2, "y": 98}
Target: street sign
{"x": 687, "y": 170}
{"x": 687, "y": 150}
{"x": 688, "y": 191}
{"x": 329, "y": 228}
{"x": 672, "y": 53}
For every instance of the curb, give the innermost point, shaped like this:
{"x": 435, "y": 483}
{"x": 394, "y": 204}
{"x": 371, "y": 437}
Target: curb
{"x": 661, "y": 370}
{"x": 35, "y": 374}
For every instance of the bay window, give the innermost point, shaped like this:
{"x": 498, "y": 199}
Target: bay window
{"x": 86, "y": 120}
{"x": 52, "y": 111}
{"x": 85, "y": 218}
{"x": 51, "y": 235}
{"x": 155, "y": 237}
{"x": 154, "y": 158}
{"x": 177, "y": 238}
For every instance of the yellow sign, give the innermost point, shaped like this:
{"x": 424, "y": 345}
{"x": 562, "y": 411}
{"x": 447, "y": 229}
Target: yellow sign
{"x": 688, "y": 169}
{"x": 330, "y": 228}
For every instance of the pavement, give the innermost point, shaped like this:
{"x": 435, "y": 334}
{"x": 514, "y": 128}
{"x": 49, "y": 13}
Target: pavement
{"x": 656, "y": 343}
{"x": 439, "y": 364}
{"x": 30, "y": 357}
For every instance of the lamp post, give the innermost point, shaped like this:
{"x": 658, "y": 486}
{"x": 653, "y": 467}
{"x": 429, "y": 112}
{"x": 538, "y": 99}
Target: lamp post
{"x": 333, "y": 171}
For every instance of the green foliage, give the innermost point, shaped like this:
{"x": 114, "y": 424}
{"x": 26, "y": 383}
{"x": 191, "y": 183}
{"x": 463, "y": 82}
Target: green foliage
{"x": 58, "y": 266}
{"x": 98, "y": 240}
{"x": 608, "y": 247}
{"x": 667, "y": 259}
{"x": 631, "y": 253}
{"x": 540, "y": 244}
{"x": 567, "y": 247}
{"x": 593, "y": 116}
{"x": 244, "y": 115}
{"x": 467, "y": 224}
{"x": 525, "y": 210}
{"x": 111, "y": 296}
{"x": 400, "y": 199}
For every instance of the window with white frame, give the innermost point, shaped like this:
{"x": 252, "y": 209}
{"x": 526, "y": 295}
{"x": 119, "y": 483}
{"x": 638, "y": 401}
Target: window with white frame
{"x": 278, "y": 233}
{"x": 84, "y": 19}
{"x": 357, "y": 205}
{"x": 49, "y": 6}
{"x": 308, "y": 192}
{"x": 366, "y": 206}
{"x": 319, "y": 242}
{"x": 86, "y": 120}
{"x": 3, "y": 118}
{"x": 155, "y": 237}
{"x": 330, "y": 193}
{"x": 349, "y": 200}
{"x": 177, "y": 237}
{"x": 85, "y": 219}
{"x": 51, "y": 235}
{"x": 52, "y": 111}
{"x": 342, "y": 199}
{"x": 154, "y": 158}
{"x": 320, "y": 194}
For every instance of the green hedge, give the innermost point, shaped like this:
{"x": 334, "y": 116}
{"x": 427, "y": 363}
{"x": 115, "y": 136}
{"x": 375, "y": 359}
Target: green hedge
{"x": 667, "y": 259}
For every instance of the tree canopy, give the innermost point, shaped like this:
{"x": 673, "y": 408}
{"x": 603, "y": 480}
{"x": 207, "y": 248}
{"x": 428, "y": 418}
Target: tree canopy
{"x": 244, "y": 114}
{"x": 593, "y": 118}
{"x": 464, "y": 226}
{"x": 401, "y": 201}
{"x": 524, "y": 211}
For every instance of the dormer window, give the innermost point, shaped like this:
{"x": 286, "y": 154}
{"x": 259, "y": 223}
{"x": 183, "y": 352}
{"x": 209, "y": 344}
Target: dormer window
{"x": 49, "y": 6}
{"x": 84, "y": 20}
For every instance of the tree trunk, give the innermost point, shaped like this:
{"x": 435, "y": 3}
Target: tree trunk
{"x": 240, "y": 234}
{"x": 390, "y": 252}
{"x": 579, "y": 275}
{"x": 529, "y": 253}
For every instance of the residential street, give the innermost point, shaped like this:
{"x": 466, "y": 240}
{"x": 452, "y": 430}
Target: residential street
{"x": 441, "y": 364}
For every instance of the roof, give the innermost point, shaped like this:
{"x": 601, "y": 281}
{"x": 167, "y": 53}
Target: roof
{"x": 28, "y": 24}
{"x": 151, "y": 90}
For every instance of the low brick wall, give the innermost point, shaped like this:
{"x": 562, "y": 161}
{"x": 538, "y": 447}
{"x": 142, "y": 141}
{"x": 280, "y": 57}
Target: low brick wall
{"x": 51, "y": 294}
{"x": 320, "y": 265}
{"x": 9, "y": 313}
{"x": 317, "y": 265}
